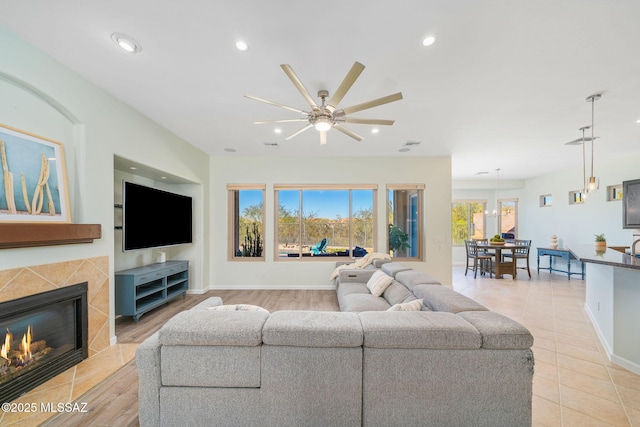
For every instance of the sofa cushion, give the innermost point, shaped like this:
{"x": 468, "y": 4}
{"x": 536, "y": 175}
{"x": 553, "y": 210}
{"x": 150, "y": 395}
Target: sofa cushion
{"x": 411, "y": 278}
{"x": 213, "y": 327}
{"x": 498, "y": 331}
{"x": 418, "y": 329}
{"x": 362, "y": 302}
{"x": 415, "y": 305}
{"x": 239, "y": 307}
{"x": 378, "y": 282}
{"x": 352, "y": 288}
{"x": 210, "y": 366}
{"x": 209, "y": 302}
{"x": 392, "y": 268}
{"x": 312, "y": 329}
{"x": 441, "y": 298}
{"x": 396, "y": 294}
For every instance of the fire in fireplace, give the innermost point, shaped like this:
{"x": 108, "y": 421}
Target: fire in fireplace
{"x": 45, "y": 334}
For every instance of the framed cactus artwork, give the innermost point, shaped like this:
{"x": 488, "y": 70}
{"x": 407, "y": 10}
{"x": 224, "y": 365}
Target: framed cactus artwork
{"x": 33, "y": 184}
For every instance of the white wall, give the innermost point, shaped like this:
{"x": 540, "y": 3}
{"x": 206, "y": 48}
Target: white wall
{"x": 433, "y": 172}
{"x": 42, "y": 97}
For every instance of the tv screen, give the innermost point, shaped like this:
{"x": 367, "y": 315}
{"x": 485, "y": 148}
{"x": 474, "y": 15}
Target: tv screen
{"x": 154, "y": 218}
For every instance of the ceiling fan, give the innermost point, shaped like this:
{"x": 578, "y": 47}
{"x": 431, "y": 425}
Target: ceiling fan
{"x": 326, "y": 115}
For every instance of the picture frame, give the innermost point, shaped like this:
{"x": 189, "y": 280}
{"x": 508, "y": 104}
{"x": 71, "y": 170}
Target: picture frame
{"x": 33, "y": 178}
{"x": 631, "y": 204}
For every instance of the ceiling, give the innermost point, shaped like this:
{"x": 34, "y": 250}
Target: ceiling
{"x": 504, "y": 86}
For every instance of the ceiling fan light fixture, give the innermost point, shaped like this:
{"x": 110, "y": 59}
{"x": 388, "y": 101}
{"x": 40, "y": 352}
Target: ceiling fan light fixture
{"x": 322, "y": 124}
{"x": 126, "y": 43}
{"x": 429, "y": 40}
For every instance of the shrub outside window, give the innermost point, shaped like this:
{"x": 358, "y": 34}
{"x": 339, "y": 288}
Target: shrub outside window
{"x": 404, "y": 220}
{"x": 246, "y": 219}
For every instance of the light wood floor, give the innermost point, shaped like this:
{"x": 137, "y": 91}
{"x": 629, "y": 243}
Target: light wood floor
{"x": 574, "y": 383}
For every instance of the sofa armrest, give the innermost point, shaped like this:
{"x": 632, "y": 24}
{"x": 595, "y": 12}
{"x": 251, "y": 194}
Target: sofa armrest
{"x": 498, "y": 331}
{"x": 149, "y": 382}
{"x": 355, "y": 276}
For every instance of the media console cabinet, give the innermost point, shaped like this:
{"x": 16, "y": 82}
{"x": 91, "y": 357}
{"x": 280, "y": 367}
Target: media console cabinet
{"x": 141, "y": 289}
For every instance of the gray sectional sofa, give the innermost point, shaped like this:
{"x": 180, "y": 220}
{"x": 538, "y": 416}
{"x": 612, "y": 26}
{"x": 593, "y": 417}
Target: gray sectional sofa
{"x": 453, "y": 363}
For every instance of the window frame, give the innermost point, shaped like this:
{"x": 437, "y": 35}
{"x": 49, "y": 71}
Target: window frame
{"x": 320, "y": 187}
{"x": 232, "y": 221}
{"x": 420, "y": 188}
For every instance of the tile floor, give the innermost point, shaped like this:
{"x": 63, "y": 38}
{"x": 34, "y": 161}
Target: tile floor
{"x": 574, "y": 383}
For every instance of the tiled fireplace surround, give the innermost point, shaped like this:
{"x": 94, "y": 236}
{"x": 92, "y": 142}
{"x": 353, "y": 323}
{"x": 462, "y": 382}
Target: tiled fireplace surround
{"x": 25, "y": 281}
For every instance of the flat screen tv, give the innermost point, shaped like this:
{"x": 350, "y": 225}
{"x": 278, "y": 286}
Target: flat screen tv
{"x": 154, "y": 218}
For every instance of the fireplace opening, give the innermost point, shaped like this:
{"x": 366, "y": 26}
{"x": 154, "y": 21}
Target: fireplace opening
{"x": 41, "y": 336}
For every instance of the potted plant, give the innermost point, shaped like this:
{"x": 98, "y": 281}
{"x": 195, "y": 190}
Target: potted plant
{"x": 601, "y": 242}
{"x": 398, "y": 240}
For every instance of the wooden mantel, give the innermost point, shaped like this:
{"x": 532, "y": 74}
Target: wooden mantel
{"x": 24, "y": 235}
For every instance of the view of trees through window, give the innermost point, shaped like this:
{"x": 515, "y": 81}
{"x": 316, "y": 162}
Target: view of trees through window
{"x": 508, "y": 216}
{"x": 467, "y": 221}
{"x": 318, "y": 222}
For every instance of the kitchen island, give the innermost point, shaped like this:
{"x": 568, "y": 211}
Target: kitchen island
{"x": 613, "y": 302}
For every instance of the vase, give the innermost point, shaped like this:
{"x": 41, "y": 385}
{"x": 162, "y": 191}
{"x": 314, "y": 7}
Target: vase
{"x": 601, "y": 246}
{"x": 554, "y": 242}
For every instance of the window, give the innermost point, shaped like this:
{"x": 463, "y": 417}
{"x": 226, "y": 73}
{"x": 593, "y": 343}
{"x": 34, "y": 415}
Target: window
{"x": 404, "y": 216}
{"x": 546, "y": 200}
{"x": 467, "y": 221}
{"x": 324, "y": 221}
{"x": 246, "y": 218}
{"x": 614, "y": 192}
{"x": 576, "y": 197}
{"x": 508, "y": 219}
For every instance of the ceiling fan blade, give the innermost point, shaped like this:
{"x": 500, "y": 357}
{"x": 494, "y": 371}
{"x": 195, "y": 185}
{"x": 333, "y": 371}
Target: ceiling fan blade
{"x": 346, "y": 84}
{"x": 370, "y": 104}
{"x": 298, "y": 84}
{"x": 280, "y": 121}
{"x": 275, "y": 104}
{"x": 347, "y": 132}
{"x": 369, "y": 121}
{"x": 579, "y": 140}
{"x": 298, "y": 132}
{"x": 323, "y": 137}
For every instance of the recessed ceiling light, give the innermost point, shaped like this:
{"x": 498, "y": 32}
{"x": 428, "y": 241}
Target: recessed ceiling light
{"x": 638, "y": 121}
{"x": 404, "y": 150}
{"x": 126, "y": 43}
{"x": 230, "y": 150}
{"x": 429, "y": 40}
{"x": 163, "y": 177}
{"x": 375, "y": 130}
{"x": 133, "y": 168}
{"x": 240, "y": 45}
{"x": 277, "y": 130}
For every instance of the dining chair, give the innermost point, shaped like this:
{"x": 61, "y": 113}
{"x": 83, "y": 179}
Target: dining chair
{"x": 521, "y": 252}
{"x": 479, "y": 259}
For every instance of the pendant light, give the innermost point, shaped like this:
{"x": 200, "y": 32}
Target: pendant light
{"x": 496, "y": 212}
{"x": 584, "y": 162}
{"x": 594, "y": 183}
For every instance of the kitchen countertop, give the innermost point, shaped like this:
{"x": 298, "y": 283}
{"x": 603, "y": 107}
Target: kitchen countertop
{"x": 612, "y": 257}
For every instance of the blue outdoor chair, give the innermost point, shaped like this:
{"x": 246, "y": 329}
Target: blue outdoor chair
{"x": 320, "y": 248}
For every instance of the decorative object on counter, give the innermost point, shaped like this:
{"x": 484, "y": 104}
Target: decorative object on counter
{"x": 600, "y": 242}
{"x": 554, "y": 242}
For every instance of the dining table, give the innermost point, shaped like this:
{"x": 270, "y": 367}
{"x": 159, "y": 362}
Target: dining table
{"x": 502, "y": 267}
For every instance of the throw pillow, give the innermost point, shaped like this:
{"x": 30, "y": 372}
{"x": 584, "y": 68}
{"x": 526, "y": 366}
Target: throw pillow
{"x": 415, "y": 305}
{"x": 239, "y": 307}
{"x": 378, "y": 282}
